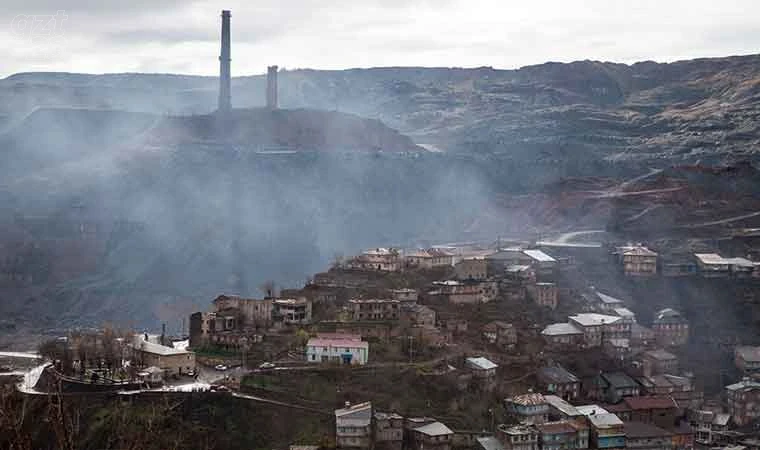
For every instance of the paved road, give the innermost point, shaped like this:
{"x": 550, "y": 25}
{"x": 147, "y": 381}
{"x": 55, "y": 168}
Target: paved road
{"x": 722, "y": 221}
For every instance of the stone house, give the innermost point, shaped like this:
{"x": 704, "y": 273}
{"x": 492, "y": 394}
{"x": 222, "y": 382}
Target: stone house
{"x": 374, "y": 309}
{"x": 544, "y": 294}
{"x": 500, "y": 333}
{"x": 637, "y": 260}
{"x": 670, "y": 328}
{"x": 529, "y": 409}
{"x": 353, "y": 426}
{"x": 559, "y": 381}
{"x": 471, "y": 269}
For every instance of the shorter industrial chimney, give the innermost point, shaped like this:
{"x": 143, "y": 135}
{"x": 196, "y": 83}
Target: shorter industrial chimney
{"x": 225, "y": 97}
{"x": 272, "y": 87}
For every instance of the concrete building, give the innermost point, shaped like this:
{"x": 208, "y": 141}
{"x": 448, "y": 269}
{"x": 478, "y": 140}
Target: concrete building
{"x": 655, "y": 362}
{"x": 637, "y": 260}
{"x": 645, "y": 436}
{"x": 471, "y": 269}
{"x": 501, "y": 334}
{"x": 518, "y": 437}
{"x": 292, "y": 310}
{"x": 240, "y": 312}
{"x": 743, "y": 399}
{"x": 705, "y": 423}
{"x": 428, "y": 258}
{"x": 404, "y": 295}
{"x": 747, "y": 359}
{"x": 380, "y": 259}
{"x": 353, "y": 426}
{"x": 560, "y": 409}
{"x": 660, "y": 410}
{"x": 388, "y": 431}
{"x": 670, "y": 328}
{"x": 559, "y": 381}
{"x": 544, "y": 294}
{"x": 466, "y": 292}
{"x": 416, "y": 315}
{"x": 566, "y": 434}
{"x": 481, "y": 368}
{"x": 272, "y": 87}
{"x": 597, "y": 327}
{"x": 432, "y": 436}
{"x": 374, "y": 309}
{"x": 607, "y": 431}
{"x": 337, "y": 348}
{"x": 563, "y": 336}
{"x": 169, "y": 360}
{"x": 529, "y": 409}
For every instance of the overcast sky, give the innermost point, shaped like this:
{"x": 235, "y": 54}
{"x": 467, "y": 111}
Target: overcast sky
{"x": 183, "y": 36}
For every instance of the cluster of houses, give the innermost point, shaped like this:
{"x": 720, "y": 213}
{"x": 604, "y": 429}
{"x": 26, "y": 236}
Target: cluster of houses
{"x": 615, "y": 329}
{"x": 235, "y": 322}
{"x": 639, "y": 261}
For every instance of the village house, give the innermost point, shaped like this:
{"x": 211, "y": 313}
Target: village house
{"x": 544, "y": 294}
{"x": 563, "y": 336}
{"x": 641, "y": 336}
{"x": 658, "y": 410}
{"x": 678, "y": 265}
{"x": 603, "y": 302}
{"x": 560, "y": 409}
{"x": 517, "y": 275}
{"x": 428, "y": 259}
{"x": 201, "y": 326}
{"x": 597, "y": 327}
{"x": 471, "y": 269}
{"x": 291, "y": 311}
{"x": 530, "y": 408}
{"x": 169, "y": 360}
{"x": 240, "y": 312}
{"x": 483, "y": 370}
{"x": 500, "y": 333}
{"x": 617, "y": 349}
{"x": 517, "y": 437}
{"x": 388, "y": 431}
{"x": 543, "y": 264}
{"x": 374, "y": 309}
{"x": 404, "y": 295}
{"x": 712, "y": 265}
{"x": 665, "y": 385}
{"x": 381, "y": 259}
{"x": 643, "y": 436}
{"x": 466, "y": 292}
{"x": 353, "y": 426}
{"x": 619, "y": 386}
{"x": 607, "y": 431}
{"x": 337, "y": 348}
{"x": 637, "y": 260}
{"x": 670, "y": 328}
{"x": 742, "y": 399}
{"x": 432, "y": 436}
{"x": 562, "y": 435}
{"x": 655, "y": 362}
{"x": 705, "y": 423}
{"x": 418, "y": 315}
{"x": 626, "y": 314}
{"x": 559, "y": 381}
{"x": 747, "y": 359}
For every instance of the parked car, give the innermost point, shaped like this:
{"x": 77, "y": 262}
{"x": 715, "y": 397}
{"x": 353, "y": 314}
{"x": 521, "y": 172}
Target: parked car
{"x": 220, "y": 367}
{"x": 267, "y": 365}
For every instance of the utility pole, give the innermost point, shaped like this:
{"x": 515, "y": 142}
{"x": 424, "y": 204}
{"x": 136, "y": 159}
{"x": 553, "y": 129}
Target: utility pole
{"x": 411, "y": 351}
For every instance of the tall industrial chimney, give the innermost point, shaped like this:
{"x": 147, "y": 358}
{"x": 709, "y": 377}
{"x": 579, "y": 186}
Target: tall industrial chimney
{"x": 272, "y": 87}
{"x": 225, "y": 100}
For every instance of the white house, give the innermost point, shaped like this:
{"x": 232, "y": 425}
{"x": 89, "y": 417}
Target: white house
{"x": 337, "y": 348}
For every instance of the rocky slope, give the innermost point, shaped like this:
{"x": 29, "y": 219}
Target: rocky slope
{"x": 688, "y": 111}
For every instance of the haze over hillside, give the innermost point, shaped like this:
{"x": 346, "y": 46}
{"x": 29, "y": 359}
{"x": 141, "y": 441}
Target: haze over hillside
{"x": 121, "y": 198}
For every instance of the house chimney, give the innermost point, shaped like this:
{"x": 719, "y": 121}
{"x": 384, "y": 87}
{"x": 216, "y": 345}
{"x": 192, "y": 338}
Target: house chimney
{"x": 225, "y": 100}
{"x": 272, "y": 87}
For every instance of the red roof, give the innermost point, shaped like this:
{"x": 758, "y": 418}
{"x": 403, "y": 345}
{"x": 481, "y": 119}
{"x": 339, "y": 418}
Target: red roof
{"x": 653, "y": 402}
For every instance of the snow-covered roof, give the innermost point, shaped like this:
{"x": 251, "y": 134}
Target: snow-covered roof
{"x": 588, "y": 410}
{"x": 608, "y": 299}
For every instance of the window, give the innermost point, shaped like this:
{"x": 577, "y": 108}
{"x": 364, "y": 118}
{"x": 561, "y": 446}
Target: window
{"x": 313, "y": 357}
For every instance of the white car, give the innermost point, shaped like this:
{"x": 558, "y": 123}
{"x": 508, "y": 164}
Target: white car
{"x": 266, "y": 365}
{"x": 220, "y": 367}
